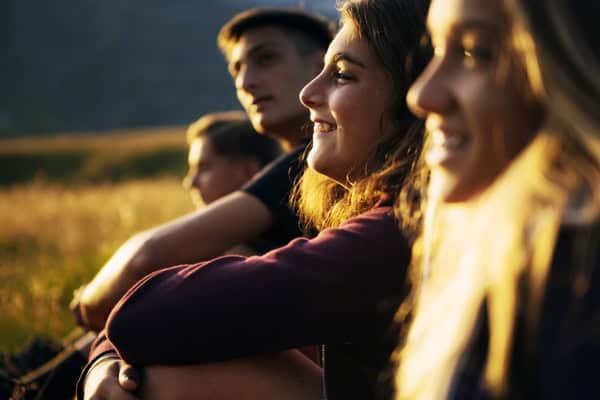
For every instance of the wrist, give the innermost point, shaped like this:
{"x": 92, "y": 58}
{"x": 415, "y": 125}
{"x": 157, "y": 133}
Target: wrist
{"x": 75, "y": 306}
{"x": 106, "y": 357}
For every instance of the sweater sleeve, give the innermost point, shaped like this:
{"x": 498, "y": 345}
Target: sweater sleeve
{"x": 330, "y": 289}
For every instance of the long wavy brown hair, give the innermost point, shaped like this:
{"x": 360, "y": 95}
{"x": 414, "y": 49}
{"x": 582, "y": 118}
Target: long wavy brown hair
{"x": 394, "y": 30}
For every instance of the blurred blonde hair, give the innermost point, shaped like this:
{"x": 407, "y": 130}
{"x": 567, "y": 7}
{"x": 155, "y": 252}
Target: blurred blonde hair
{"x": 555, "y": 182}
{"x": 495, "y": 251}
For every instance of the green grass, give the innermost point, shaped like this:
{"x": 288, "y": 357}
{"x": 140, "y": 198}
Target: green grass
{"x": 66, "y": 209}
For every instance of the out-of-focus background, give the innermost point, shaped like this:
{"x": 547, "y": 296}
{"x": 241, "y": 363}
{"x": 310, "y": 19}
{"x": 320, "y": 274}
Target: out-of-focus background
{"x": 94, "y": 100}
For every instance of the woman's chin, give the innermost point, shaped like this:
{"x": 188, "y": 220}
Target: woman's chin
{"x": 315, "y": 161}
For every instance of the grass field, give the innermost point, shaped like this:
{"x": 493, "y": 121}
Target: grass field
{"x": 82, "y": 159}
{"x": 56, "y": 232}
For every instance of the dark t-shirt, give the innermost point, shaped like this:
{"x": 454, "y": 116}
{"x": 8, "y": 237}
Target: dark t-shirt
{"x": 272, "y": 186}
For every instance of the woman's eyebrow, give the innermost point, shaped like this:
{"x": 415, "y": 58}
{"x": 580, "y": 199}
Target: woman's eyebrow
{"x": 468, "y": 25}
{"x": 348, "y": 58}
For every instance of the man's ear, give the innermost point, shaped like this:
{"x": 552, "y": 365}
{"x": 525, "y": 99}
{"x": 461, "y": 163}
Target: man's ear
{"x": 250, "y": 167}
{"x": 315, "y": 60}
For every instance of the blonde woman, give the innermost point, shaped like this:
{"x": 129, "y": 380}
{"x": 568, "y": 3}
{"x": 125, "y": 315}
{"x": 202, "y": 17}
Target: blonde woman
{"x": 509, "y": 299}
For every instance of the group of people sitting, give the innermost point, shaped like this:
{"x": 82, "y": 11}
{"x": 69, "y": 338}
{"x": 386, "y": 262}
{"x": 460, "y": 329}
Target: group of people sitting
{"x": 431, "y": 225}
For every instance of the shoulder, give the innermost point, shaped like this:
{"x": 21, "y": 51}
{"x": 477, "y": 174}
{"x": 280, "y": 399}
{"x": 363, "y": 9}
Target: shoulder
{"x": 378, "y": 218}
{"x": 284, "y": 168}
{"x": 376, "y": 230}
{"x": 274, "y": 182}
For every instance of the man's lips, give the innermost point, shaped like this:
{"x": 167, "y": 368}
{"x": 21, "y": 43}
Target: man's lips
{"x": 258, "y": 101}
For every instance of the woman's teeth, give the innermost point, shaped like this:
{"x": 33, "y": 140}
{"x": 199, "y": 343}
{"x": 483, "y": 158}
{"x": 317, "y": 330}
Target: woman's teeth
{"x": 441, "y": 139}
{"x": 324, "y": 127}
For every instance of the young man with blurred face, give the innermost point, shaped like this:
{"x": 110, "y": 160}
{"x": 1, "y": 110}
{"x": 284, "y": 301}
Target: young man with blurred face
{"x": 225, "y": 152}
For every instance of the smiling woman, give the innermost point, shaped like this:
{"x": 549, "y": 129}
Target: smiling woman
{"x": 480, "y": 114}
{"x": 361, "y": 86}
{"x": 508, "y": 262}
{"x": 463, "y": 121}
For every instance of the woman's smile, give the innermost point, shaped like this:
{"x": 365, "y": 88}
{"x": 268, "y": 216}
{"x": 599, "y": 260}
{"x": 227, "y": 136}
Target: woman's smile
{"x": 323, "y": 128}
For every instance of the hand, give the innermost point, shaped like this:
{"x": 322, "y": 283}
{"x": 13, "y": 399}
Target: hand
{"x": 111, "y": 379}
{"x": 75, "y": 306}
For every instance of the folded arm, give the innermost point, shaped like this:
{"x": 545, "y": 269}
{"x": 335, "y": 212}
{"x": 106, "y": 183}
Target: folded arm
{"x": 329, "y": 289}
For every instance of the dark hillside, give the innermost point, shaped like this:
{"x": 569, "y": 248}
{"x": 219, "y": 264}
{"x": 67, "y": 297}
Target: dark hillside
{"x": 93, "y": 66}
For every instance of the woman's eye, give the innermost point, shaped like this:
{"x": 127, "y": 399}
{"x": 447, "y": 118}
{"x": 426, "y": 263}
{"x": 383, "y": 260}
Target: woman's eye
{"x": 341, "y": 77}
{"x": 478, "y": 54}
{"x": 476, "y": 51}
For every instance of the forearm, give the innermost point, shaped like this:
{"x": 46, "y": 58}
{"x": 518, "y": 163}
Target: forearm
{"x": 195, "y": 237}
{"x": 282, "y": 376}
{"x": 286, "y": 375}
{"x": 112, "y": 281}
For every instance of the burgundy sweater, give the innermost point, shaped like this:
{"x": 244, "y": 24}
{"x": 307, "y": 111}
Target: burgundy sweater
{"x": 339, "y": 289}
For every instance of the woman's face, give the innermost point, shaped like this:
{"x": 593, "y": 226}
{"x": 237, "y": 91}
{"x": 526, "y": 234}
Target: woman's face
{"x": 477, "y": 120}
{"x": 346, "y": 102}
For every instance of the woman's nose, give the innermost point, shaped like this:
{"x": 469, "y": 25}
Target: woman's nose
{"x": 312, "y": 95}
{"x": 431, "y": 92}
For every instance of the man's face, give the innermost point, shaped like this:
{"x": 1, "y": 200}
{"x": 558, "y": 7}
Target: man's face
{"x": 212, "y": 175}
{"x": 269, "y": 72}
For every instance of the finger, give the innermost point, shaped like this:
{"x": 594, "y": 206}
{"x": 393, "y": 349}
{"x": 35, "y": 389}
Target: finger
{"x": 114, "y": 395}
{"x": 112, "y": 391}
{"x": 102, "y": 382}
{"x": 119, "y": 394}
{"x": 129, "y": 377}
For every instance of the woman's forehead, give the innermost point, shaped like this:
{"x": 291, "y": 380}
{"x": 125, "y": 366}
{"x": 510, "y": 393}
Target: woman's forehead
{"x": 347, "y": 43}
{"x": 445, "y": 16}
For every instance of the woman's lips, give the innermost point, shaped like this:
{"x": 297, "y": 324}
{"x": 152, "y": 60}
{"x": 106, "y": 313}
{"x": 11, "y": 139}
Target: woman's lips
{"x": 446, "y": 148}
{"x": 323, "y": 128}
